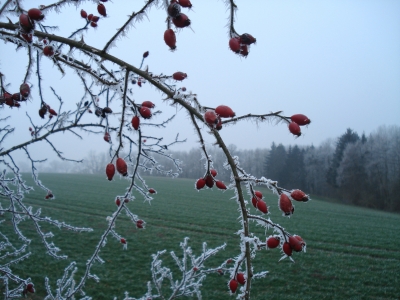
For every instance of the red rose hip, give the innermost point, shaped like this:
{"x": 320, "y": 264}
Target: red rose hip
{"x": 179, "y": 76}
{"x": 300, "y": 119}
{"x": 135, "y": 122}
{"x": 210, "y": 117}
{"x": 170, "y": 38}
{"x": 110, "y": 171}
{"x": 122, "y": 167}
{"x": 224, "y": 111}
{"x": 294, "y": 128}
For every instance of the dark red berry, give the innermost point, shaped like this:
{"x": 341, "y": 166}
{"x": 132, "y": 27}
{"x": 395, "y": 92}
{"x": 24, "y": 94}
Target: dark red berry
{"x": 210, "y": 117}
{"x": 35, "y": 14}
{"x": 179, "y": 76}
{"x": 145, "y": 112}
{"x": 107, "y": 137}
{"x": 244, "y": 50}
{"x": 122, "y": 167}
{"x": 84, "y": 14}
{"x": 148, "y": 104}
{"x": 234, "y": 44}
{"x": 273, "y": 242}
{"x": 48, "y": 51}
{"x": 185, "y": 3}
{"x": 299, "y": 195}
{"x": 52, "y": 112}
{"x": 101, "y": 9}
{"x": 240, "y": 278}
{"x": 233, "y": 284}
{"x": 258, "y": 194}
{"x": 27, "y": 37}
{"x": 42, "y": 111}
{"x": 25, "y": 90}
{"x": 287, "y": 249}
{"x": 200, "y": 183}
{"x": 285, "y": 205}
{"x": 209, "y": 181}
{"x": 174, "y": 10}
{"x": 110, "y": 171}
{"x": 247, "y": 39}
{"x": 139, "y": 223}
{"x": 181, "y": 21}
{"x": 30, "y": 288}
{"x": 295, "y": 244}
{"x": 225, "y": 111}
{"x": 135, "y": 122}
{"x": 170, "y": 38}
{"x": 300, "y": 119}
{"x": 25, "y": 23}
{"x": 220, "y": 185}
{"x": 294, "y": 128}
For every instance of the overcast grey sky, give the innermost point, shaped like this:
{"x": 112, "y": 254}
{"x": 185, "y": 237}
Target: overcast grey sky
{"x": 338, "y": 62}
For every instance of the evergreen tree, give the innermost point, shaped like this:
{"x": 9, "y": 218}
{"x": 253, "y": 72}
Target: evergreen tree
{"x": 294, "y": 169}
{"x": 276, "y": 163}
{"x": 348, "y": 137}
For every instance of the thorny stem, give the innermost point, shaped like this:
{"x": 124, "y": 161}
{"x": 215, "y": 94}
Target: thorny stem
{"x": 122, "y": 123}
{"x": 126, "y": 24}
{"x": 262, "y": 117}
{"x": 46, "y": 135}
{"x": 232, "y": 31}
{"x": 243, "y": 209}
{"x": 113, "y": 59}
{"x": 201, "y": 141}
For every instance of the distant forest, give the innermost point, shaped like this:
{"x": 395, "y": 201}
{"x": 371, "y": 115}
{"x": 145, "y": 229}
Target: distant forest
{"x": 360, "y": 170}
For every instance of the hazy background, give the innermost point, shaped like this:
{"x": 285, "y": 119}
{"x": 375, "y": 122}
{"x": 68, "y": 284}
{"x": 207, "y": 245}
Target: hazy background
{"x": 338, "y": 62}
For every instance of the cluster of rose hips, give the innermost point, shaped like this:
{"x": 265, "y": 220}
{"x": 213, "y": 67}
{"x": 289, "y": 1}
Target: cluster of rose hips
{"x": 92, "y": 18}
{"x": 294, "y": 242}
{"x": 145, "y": 112}
{"x": 102, "y": 112}
{"x": 12, "y": 100}
{"x": 297, "y": 121}
{"x": 179, "y": 19}
{"x": 32, "y": 131}
{"x": 208, "y": 180}
{"x": 233, "y": 283}
{"x": 122, "y": 168}
{"x": 27, "y": 23}
{"x": 241, "y": 44}
{"x": 284, "y": 203}
{"x": 46, "y": 109}
{"x": 213, "y": 117}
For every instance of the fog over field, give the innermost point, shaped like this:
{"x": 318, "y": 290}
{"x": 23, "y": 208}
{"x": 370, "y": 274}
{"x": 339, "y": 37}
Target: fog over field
{"x": 337, "y": 62}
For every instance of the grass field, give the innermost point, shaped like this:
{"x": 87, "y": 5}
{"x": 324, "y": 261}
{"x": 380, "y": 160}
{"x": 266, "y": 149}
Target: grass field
{"x": 352, "y": 253}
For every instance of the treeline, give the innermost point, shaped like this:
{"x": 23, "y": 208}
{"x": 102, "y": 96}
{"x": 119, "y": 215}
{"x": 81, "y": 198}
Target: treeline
{"x": 356, "y": 169}
{"x": 361, "y": 170}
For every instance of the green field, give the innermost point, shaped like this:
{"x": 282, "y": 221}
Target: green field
{"x": 352, "y": 253}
